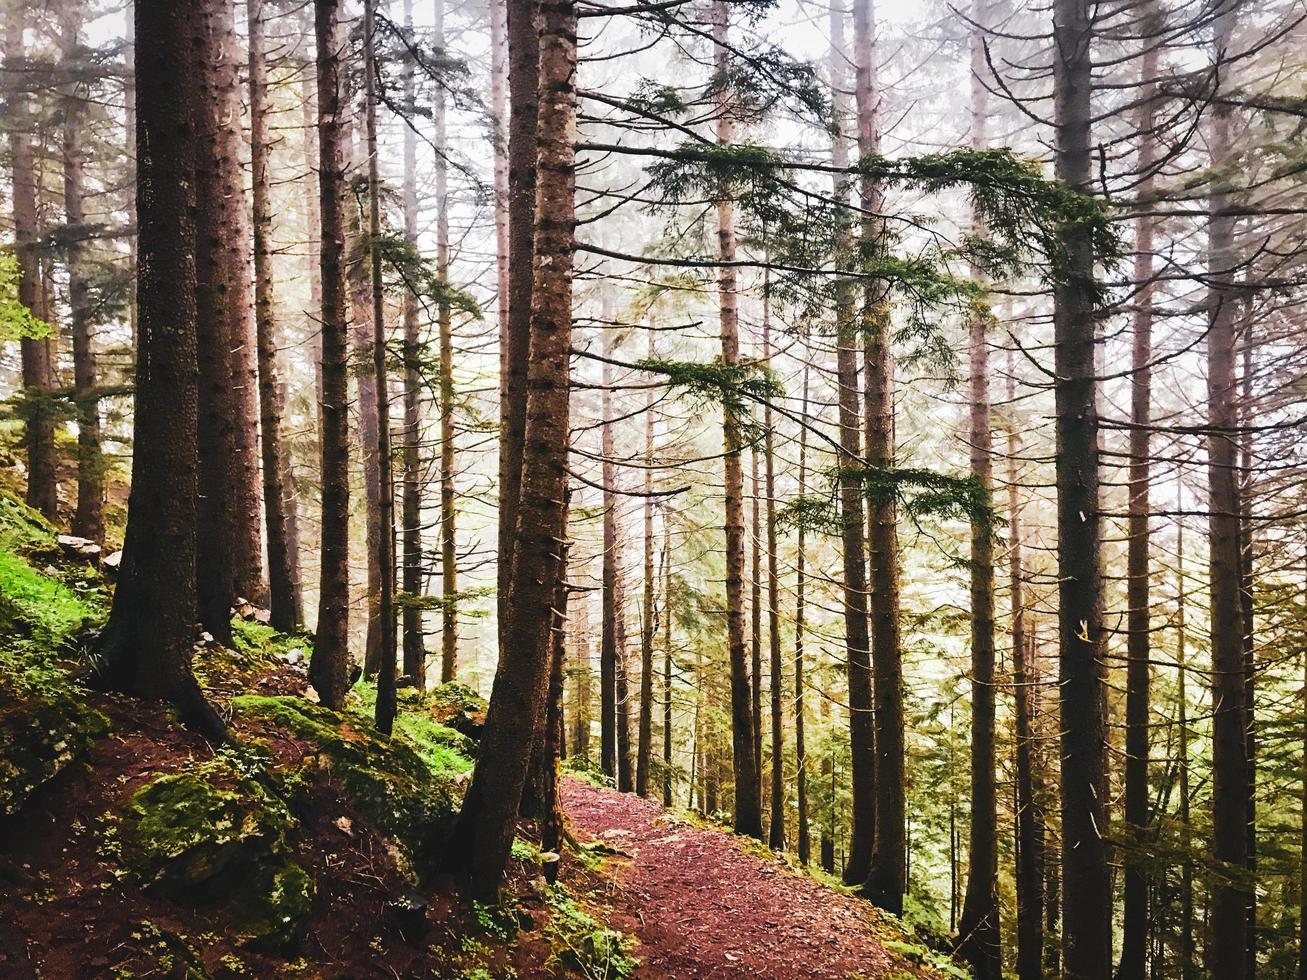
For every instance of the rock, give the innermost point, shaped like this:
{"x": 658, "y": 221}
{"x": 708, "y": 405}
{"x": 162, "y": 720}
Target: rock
{"x": 214, "y": 835}
{"x": 79, "y": 549}
{"x": 387, "y": 782}
{"x": 112, "y": 562}
{"x": 459, "y": 707}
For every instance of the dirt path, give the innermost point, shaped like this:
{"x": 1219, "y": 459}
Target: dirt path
{"x": 702, "y": 908}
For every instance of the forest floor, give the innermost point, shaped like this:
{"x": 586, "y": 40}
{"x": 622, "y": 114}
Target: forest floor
{"x": 705, "y": 903}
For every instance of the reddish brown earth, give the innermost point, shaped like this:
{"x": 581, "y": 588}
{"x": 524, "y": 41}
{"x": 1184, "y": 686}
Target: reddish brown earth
{"x": 703, "y": 908}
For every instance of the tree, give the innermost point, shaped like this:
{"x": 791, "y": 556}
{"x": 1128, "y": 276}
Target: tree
{"x": 329, "y": 668}
{"x": 887, "y": 874}
{"x": 230, "y": 545}
{"x": 1134, "y": 942}
{"x": 748, "y": 808}
{"x": 36, "y": 352}
{"x": 648, "y": 624}
{"x": 147, "y": 643}
{"x": 448, "y": 537}
{"x": 88, "y": 519}
{"x": 385, "y": 708}
{"x": 857, "y": 640}
{"x": 479, "y": 845}
{"x": 1087, "y": 899}
{"x": 979, "y": 938}
{"x": 1230, "y": 893}
{"x": 283, "y": 561}
{"x": 411, "y": 559}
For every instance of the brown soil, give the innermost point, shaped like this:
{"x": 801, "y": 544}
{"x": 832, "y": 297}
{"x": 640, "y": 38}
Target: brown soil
{"x": 704, "y": 908}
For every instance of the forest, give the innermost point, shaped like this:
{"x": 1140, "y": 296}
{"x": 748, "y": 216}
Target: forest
{"x": 668, "y": 488}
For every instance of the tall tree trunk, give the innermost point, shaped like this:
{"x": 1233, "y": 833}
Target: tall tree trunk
{"x": 146, "y": 645}
{"x": 979, "y": 939}
{"x": 230, "y": 544}
{"x": 644, "y": 743}
{"x": 1087, "y": 924}
{"x": 755, "y": 612}
{"x": 748, "y": 806}
{"x": 524, "y": 97}
{"x": 667, "y": 662}
{"x": 1188, "y": 962}
{"x": 1030, "y": 824}
{"x": 282, "y": 562}
{"x": 448, "y": 538}
{"x": 479, "y": 845}
{"x": 856, "y": 638}
{"x": 499, "y": 132}
{"x": 551, "y": 819}
{"x": 1247, "y": 625}
{"x": 415, "y": 664}
{"x": 1229, "y": 920}
{"x": 385, "y": 707}
{"x": 776, "y": 826}
{"x": 610, "y": 653}
{"x": 88, "y": 519}
{"x": 359, "y": 278}
{"x": 580, "y": 634}
{"x": 1134, "y": 937}
{"x": 800, "y": 612}
{"x": 329, "y": 668}
{"x": 36, "y": 353}
{"x": 887, "y": 876}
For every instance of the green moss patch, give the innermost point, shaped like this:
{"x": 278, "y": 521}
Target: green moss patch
{"x": 406, "y": 799}
{"x": 45, "y": 723}
{"x": 579, "y": 943}
{"x": 215, "y": 834}
{"x": 457, "y": 706}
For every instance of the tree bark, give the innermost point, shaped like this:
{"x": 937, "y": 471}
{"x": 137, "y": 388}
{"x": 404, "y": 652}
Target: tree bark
{"x": 479, "y": 846}
{"x": 887, "y": 876}
{"x": 415, "y": 665}
{"x": 524, "y": 97}
{"x": 1087, "y": 922}
{"x": 1134, "y": 936}
{"x": 448, "y": 537}
{"x": 88, "y": 519}
{"x": 979, "y": 938}
{"x": 1188, "y": 962}
{"x": 36, "y": 353}
{"x": 800, "y": 612}
{"x": 282, "y": 561}
{"x": 1230, "y": 778}
{"x": 386, "y": 706}
{"x": 147, "y": 644}
{"x": 755, "y": 611}
{"x": 613, "y": 629}
{"x": 329, "y": 668}
{"x": 1030, "y": 823}
{"x": 862, "y": 739}
{"x": 667, "y": 662}
{"x": 748, "y": 808}
{"x": 230, "y": 544}
{"x": 776, "y": 826}
{"x": 644, "y": 743}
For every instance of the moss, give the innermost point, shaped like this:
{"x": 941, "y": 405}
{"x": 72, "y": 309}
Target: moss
{"x": 577, "y": 942}
{"x": 445, "y": 750}
{"x": 45, "y": 723}
{"x": 392, "y": 785}
{"x": 457, "y": 706}
{"x": 215, "y": 834}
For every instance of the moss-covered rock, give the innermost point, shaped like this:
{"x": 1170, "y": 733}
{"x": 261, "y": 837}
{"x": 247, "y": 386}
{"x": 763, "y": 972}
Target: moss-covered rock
{"x": 459, "y": 707}
{"x": 215, "y": 834}
{"x": 45, "y": 723}
{"x": 405, "y": 797}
